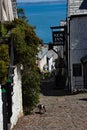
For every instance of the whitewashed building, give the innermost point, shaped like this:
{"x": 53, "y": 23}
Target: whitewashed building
{"x": 8, "y": 10}
{"x": 17, "y": 105}
{"x": 51, "y": 56}
{"x": 42, "y": 58}
{"x": 14, "y": 7}
{"x": 77, "y": 44}
{"x": 46, "y": 59}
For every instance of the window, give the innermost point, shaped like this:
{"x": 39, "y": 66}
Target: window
{"x": 77, "y": 70}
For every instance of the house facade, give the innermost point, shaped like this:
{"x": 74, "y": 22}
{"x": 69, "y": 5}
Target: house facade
{"x": 77, "y": 44}
{"x": 14, "y": 7}
{"x": 51, "y": 56}
{"x": 8, "y": 10}
{"x": 46, "y": 59}
{"x": 42, "y": 59}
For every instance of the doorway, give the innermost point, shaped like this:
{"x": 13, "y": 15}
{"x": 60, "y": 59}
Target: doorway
{"x": 85, "y": 75}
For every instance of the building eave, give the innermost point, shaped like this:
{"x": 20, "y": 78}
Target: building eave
{"x": 77, "y": 15}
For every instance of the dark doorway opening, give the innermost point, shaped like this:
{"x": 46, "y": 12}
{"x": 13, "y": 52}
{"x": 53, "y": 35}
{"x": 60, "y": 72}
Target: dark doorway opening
{"x": 84, "y": 62}
{"x": 85, "y": 75}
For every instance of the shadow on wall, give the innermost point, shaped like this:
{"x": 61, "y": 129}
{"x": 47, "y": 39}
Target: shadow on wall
{"x": 83, "y": 5}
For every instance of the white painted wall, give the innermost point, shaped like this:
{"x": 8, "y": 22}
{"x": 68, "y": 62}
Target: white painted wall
{"x": 17, "y": 110}
{"x": 50, "y": 64}
{"x": 6, "y": 10}
{"x": 42, "y": 62}
{"x": 78, "y": 45}
{"x": 1, "y": 116}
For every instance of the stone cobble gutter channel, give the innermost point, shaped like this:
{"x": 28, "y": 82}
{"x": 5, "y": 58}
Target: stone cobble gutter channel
{"x": 64, "y": 112}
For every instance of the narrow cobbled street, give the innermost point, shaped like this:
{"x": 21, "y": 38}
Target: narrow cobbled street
{"x": 64, "y": 112}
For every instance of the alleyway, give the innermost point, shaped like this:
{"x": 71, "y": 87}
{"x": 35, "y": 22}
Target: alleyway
{"x": 64, "y": 112}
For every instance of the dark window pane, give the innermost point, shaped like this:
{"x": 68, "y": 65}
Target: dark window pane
{"x": 77, "y": 70}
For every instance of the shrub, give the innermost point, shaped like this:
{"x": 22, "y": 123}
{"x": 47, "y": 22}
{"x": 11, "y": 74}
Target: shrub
{"x": 31, "y": 89}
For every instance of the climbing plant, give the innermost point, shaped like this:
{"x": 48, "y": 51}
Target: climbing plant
{"x": 26, "y": 45}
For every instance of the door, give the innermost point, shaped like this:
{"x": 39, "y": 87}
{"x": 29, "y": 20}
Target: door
{"x": 85, "y": 75}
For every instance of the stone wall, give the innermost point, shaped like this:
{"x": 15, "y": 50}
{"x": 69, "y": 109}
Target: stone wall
{"x": 17, "y": 110}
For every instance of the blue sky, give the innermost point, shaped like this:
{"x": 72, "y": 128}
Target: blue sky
{"x": 37, "y": 0}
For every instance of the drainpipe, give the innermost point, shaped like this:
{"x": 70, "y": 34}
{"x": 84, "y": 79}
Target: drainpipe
{"x": 69, "y": 67}
{"x": 68, "y": 47}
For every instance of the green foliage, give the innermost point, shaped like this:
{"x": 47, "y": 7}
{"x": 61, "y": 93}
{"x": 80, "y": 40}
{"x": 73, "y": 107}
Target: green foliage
{"x": 26, "y": 45}
{"x": 4, "y": 62}
{"x": 21, "y": 14}
{"x": 3, "y": 30}
{"x": 26, "y": 48}
{"x": 31, "y": 89}
{"x": 4, "y": 53}
{"x": 3, "y": 71}
{"x": 46, "y": 75}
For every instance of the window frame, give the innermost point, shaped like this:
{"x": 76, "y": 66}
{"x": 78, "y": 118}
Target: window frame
{"x": 77, "y": 70}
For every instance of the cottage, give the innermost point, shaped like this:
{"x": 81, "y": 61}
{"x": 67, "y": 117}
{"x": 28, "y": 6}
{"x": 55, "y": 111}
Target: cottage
{"x": 51, "y": 57}
{"x": 46, "y": 59}
{"x": 77, "y": 44}
{"x": 42, "y": 58}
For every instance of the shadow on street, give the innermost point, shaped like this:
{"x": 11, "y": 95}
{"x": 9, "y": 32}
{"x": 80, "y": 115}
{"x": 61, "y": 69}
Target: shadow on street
{"x": 48, "y": 88}
{"x": 83, "y": 99}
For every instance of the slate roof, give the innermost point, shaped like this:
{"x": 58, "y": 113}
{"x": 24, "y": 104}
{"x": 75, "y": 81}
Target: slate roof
{"x": 43, "y": 52}
{"x": 77, "y": 7}
{"x": 83, "y": 5}
{"x": 48, "y": 53}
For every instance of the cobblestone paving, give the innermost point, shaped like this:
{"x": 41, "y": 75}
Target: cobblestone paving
{"x": 64, "y": 112}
